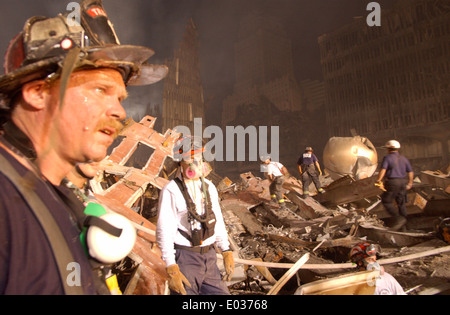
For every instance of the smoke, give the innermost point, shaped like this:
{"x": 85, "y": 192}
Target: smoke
{"x": 15, "y": 13}
{"x": 160, "y": 25}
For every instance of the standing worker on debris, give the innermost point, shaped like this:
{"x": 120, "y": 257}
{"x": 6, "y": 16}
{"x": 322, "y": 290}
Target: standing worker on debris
{"x": 190, "y": 223}
{"x": 364, "y": 255}
{"x": 61, "y": 100}
{"x": 398, "y": 178}
{"x": 275, "y": 172}
{"x": 308, "y": 166}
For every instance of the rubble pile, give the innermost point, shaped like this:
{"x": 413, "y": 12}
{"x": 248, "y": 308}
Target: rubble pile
{"x": 277, "y": 251}
{"x": 327, "y": 226}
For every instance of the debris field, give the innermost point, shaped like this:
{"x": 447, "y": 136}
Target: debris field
{"x": 278, "y": 251}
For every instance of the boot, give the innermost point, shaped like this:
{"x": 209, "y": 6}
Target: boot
{"x": 273, "y": 199}
{"x": 283, "y": 206}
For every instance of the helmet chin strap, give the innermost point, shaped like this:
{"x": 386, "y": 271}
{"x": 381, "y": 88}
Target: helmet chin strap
{"x": 71, "y": 60}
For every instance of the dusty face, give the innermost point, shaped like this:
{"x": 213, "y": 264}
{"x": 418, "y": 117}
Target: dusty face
{"x": 89, "y": 120}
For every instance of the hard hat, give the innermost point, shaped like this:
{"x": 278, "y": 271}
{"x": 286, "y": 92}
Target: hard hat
{"x": 108, "y": 248}
{"x": 265, "y": 158}
{"x": 186, "y": 147}
{"x": 54, "y": 47}
{"x": 392, "y": 144}
{"x": 362, "y": 251}
{"x": 308, "y": 149}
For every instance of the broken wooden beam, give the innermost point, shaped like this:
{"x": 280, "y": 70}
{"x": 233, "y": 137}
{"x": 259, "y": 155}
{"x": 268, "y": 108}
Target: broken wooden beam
{"x": 288, "y": 275}
{"x": 444, "y": 287}
{"x": 386, "y": 261}
{"x": 359, "y": 283}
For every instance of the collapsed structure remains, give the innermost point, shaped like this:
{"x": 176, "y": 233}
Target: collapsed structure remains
{"x": 303, "y": 249}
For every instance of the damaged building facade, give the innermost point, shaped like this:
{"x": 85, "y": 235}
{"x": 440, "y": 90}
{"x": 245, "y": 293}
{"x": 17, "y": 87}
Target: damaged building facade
{"x": 183, "y": 96}
{"x": 266, "y": 89}
{"x": 392, "y": 81}
{"x": 264, "y": 66}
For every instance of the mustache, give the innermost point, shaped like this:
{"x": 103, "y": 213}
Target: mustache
{"x": 111, "y": 124}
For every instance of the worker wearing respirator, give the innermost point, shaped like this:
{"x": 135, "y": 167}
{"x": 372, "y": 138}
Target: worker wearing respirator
{"x": 190, "y": 223}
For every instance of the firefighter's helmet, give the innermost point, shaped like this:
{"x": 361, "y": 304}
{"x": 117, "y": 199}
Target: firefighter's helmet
{"x": 361, "y": 251}
{"x": 55, "y": 47}
{"x": 392, "y": 144}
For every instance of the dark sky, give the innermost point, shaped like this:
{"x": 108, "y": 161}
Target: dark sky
{"x": 160, "y": 24}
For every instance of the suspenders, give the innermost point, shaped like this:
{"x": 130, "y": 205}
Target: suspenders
{"x": 61, "y": 250}
{"x": 208, "y": 220}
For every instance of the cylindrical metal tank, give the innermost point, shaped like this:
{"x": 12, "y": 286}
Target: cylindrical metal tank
{"x": 354, "y": 156}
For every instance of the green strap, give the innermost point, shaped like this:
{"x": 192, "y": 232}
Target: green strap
{"x": 61, "y": 251}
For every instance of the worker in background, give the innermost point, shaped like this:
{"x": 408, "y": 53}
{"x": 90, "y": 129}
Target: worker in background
{"x": 398, "y": 178}
{"x": 275, "y": 172}
{"x": 309, "y": 169}
{"x": 60, "y": 104}
{"x": 190, "y": 224}
{"x": 364, "y": 255}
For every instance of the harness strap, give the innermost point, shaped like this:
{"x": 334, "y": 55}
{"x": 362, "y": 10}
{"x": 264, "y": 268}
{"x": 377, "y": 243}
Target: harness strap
{"x": 102, "y": 224}
{"x": 61, "y": 250}
{"x": 185, "y": 235}
{"x": 192, "y": 208}
{"x": 190, "y": 204}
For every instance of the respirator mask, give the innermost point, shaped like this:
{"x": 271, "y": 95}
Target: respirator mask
{"x": 188, "y": 151}
{"x": 195, "y": 169}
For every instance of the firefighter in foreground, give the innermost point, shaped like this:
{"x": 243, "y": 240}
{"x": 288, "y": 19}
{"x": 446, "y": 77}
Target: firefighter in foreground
{"x": 61, "y": 100}
{"x": 398, "y": 176}
{"x": 190, "y": 223}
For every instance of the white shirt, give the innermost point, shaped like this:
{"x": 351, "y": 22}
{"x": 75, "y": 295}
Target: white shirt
{"x": 388, "y": 285}
{"x": 173, "y": 215}
{"x": 274, "y": 168}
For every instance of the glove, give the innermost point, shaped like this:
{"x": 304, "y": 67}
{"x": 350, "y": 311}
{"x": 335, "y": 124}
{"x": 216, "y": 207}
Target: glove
{"x": 176, "y": 279}
{"x": 380, "y": 185}
{"x": 228, "y": 262}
